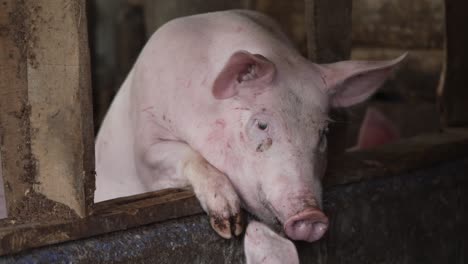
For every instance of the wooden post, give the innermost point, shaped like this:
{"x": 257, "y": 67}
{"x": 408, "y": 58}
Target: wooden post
{"x": 328, "y": 26}
{"x": 158, "y": 12}
{"x": 45, "y": 109}
{"x": 453, "y": 86}
{"x": 3, "y": 210}
{"x": 398, "y": 24}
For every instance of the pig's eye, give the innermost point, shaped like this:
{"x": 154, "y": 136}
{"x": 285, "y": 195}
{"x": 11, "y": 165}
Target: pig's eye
{"x": 322, "y": 145}
{"x": 260, "y": 131}
{"x": 262, "y": 125}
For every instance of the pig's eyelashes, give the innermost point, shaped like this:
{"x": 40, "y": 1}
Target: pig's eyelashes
{"x": 322, "y": 144}
{"x": 323, "y": 132}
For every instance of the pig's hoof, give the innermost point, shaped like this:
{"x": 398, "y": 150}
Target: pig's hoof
{"x": 223, "y": 207}
{"x": 217, "y": 197}
{"x": 226, "y": 227}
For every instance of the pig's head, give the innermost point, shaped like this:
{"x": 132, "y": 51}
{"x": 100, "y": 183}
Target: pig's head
{"x": 274, "y": 131}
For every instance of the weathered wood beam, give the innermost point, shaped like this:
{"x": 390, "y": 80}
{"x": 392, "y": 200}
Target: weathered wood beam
{"x": 417, "y": 24}
{"x": 15, "y": 146}
{"x": 328, "y": 25}
{"x": 3, "y": 209}
{"x": 123, "y": 213}
{"x": 45, "y": 110}
{"x": 158, "y": 12}
{"x": 109, "y": 216}
{"x": 453, "y": 87}
{"x": 289, "y": 15}
{"x": 328, "y": 28}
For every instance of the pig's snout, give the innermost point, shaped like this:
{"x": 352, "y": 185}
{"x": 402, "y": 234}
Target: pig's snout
{"x": 308, "y": 225}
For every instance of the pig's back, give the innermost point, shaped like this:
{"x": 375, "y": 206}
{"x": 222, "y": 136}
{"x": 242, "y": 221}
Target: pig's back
{"x": 214, "y": 37}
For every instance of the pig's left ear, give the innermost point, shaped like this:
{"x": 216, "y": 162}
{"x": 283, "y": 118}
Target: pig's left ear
{"x": 243, "y": 70}
{"x": 351, "y": 82}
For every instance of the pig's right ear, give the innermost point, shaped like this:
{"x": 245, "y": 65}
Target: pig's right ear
{"x": 243, "y": 70}
{"x": 351, "y": 82}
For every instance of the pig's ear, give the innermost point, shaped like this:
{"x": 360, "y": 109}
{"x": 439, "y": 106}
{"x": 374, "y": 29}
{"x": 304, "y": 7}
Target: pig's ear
{"x": 376, "y": 129}
{"x": 351, "y": 82}
{"x": 263, "y": 245}
{"x": 243, "y": 70}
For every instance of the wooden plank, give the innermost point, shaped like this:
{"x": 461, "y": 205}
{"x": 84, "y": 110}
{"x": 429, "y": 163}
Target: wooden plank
{"x": 123, "y": 213}
{"x": 15, "y": 146}
{"x": 3, "y": 209}
{"x": 289, "y": 15}
{"x": 60, "y": 97}
{"x": 328, "y": 24}
{"x": 401, "y": 157}
{"x": 398, "y": 23}
{"x": 453, "y": 87}
{"x": 329, "y": 40}
{"x": 158, "y": 12}
{"x": 46, "y": 112}
{"x": 109, "y": 216}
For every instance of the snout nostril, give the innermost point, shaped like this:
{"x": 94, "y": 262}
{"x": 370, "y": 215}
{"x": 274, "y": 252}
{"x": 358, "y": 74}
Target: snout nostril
{"x": 308, "y": 226}
{"x": 320, "y": 228}
{"x": 305, "y": 225}
{"x": 302, "y": 225}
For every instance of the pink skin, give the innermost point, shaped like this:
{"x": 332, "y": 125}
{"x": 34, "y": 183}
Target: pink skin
{"x": 376, "y": 130}
{"x": 238, "y": 115}
{"x": 262, "y": 245}
{"x": 298, "y": 226}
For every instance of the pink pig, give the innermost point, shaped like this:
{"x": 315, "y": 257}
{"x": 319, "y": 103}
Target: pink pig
{"x": 263, "y": 245}
{"x": 224, "y": 103}
{"x": 376, "y": 130}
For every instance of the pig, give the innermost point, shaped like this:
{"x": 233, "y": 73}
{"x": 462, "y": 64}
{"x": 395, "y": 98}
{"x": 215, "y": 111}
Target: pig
{"x": 263, "y": 245}
{"x": 224, "y": 103}
{"x": 376, "y": 130}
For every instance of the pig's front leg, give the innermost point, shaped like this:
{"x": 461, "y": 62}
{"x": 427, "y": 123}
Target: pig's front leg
{"x": 174, "y": 164}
